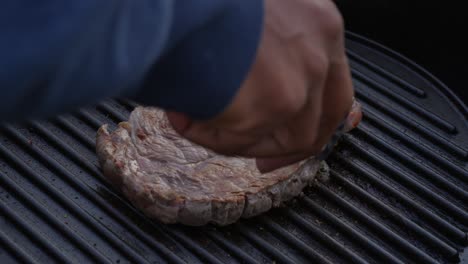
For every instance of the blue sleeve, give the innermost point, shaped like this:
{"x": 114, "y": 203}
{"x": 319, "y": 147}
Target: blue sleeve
{"x": 185, "y": 55}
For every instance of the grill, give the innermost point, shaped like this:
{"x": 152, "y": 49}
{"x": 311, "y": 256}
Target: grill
{"x": 397, "y": 193}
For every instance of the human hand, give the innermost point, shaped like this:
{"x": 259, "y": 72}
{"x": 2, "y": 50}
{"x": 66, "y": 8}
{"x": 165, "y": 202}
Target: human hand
{"x": 298, "y": 90}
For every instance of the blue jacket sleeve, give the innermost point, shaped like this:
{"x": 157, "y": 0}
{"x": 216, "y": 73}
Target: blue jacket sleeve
{"x": 184, "y": 55}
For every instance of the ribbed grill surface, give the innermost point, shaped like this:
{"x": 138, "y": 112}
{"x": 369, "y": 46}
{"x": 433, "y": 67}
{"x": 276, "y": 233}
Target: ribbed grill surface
{"x": 398, "y": 191}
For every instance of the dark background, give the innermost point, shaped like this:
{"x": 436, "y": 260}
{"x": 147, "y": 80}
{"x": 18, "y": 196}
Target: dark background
{"x": 433, "y": 34}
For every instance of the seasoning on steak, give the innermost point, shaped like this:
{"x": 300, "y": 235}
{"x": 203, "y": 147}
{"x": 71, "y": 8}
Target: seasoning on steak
{"x": 176, "y": 181}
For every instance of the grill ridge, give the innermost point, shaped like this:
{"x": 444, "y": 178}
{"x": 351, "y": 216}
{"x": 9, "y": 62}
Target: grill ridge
{"x": 402, "y": 101}
{"x": 422, "y": 149}
{"x": 405, "y": 158}
{"x": 386, "y": 74}
{"x": 297, "y": 243}
{"x": 88, "y": 118}
{"x": 324, "y": 238}
{"x": 57, "y": 167}
{"x": 67, "y": 203}
{"x": 33, "y": 234}
{"x": 15, "y": 249}
{"x": 352, "y": 232}
{"x": 202, "y": 253}
{"x": 438, "y": 223}
{"x": 378, "y": 227}
{"x": 263, "y": 245}
{"x": 199, "y": 251}
{"x": 40, "y": 210}
{"x": 410, "y": 123}
{"x": 435, "y": 241}
{"x": 409, "y": 180}
{"x": 68, "y": 126}
{"x": 236, "y": 251}
{"x": 106, "y": 108}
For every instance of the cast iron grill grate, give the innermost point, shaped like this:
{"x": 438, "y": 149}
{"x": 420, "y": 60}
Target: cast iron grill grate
{"x": 398, "y": 189}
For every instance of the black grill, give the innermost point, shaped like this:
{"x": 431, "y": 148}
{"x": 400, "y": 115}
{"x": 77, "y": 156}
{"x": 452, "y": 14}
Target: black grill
{"x": 398, "y": 191}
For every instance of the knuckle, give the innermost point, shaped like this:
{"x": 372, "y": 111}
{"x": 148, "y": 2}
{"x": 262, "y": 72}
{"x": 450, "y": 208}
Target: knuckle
{"x": 333, "y": 24}
{"x": 290, "y": 97}
{"x": 318, "y": 67}
{"x": 289, "y": 102}
{"x": 330, "y": 20}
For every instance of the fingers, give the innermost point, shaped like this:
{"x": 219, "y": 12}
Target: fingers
{"x": 180, "y": 122}
{"x": 301, "y": 137}
{"x": 337, "y": 104}
{"x": 337, "y": 100}
{"x": 209, "y": 136}
{"x": 354, "y": 117}
{"x": 296, "y": 94}
{"x": 328, "y": 106}
{"x": 265, "y": 165}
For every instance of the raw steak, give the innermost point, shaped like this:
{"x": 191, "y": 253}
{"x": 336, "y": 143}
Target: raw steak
{"x": 176, "y": 181}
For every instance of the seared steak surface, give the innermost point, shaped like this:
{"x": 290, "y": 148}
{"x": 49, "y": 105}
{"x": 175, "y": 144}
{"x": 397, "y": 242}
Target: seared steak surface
{"x": 176, "y": 181}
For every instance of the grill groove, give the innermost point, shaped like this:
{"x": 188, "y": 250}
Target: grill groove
{"x": 263, "y": 245}
{"x": 85, "y": 189}
{"x": 386, "y": 74}
{"x": 242, "y": 256}
{"x": 434, "y": 219}
{"x": 40, "y": 210}
{"x": 33, "y": 234}
{"x": 429, "y": 116}
{"x": 64, "y": 123}
{"x": 410, "y": 181}
{"x": 410, "y": 123}
{"x": 447, "y": 249}
{"x": 37, "y": 179}
{"x": 352, "y": 232}
{"x": 422, "y": 149}
{"x": 324, "y": 238}
{"x": 297, "y": 243}
{"x": 15, "y": 249}
{"x": 406, "y": 158}
{"x": 378, "y": 227}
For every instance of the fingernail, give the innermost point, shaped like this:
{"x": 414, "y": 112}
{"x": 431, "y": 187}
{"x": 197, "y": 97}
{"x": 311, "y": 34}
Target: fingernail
{"x": 353, "y": 119}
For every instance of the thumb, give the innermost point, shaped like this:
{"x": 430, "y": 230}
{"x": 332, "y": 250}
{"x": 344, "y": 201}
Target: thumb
{"x": 179, "y": 121}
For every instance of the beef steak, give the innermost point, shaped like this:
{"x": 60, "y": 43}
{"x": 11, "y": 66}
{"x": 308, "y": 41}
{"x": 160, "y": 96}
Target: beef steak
{"x": 176, "y": 181}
